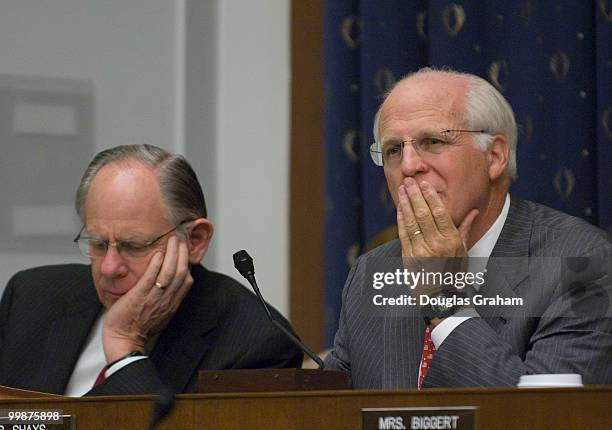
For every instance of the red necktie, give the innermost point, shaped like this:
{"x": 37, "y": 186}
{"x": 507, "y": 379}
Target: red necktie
{"x": 101, "y": 377}
{"x": 429, "y": 349}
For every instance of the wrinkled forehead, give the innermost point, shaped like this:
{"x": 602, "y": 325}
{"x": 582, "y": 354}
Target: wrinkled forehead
{"x": 123, "y": 190}
{"x": 432, "y": 97}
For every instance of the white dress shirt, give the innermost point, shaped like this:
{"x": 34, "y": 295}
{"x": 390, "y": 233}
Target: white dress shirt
{"x": 92, "y": 360}
{"x": 89, "y": 364}
{"x": 479, "y": 255}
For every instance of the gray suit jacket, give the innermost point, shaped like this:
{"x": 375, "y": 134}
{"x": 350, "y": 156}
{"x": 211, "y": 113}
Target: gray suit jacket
{"x": 564, "y": 326}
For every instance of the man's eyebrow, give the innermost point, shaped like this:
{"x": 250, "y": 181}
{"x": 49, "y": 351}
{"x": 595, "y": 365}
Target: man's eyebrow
{"x": 390, "y": 140}
{"x": 135, "y": 239}
{"x": 430, "y": 132}
{"x": 139, "y": 239}
{"x": 427, "y": 132}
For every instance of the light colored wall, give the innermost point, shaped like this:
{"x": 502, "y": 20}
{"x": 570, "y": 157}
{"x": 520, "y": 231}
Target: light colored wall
{"x": 128, "y": 54}
{"x": 252, "y": 210}
{"x": 127, "y": 47}
{"x": 209, "y": 78}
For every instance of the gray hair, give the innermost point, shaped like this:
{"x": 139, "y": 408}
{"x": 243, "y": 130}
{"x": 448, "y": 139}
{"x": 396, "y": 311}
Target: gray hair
{"x": 178, "y": 183}
{"x": 485, "y": 109}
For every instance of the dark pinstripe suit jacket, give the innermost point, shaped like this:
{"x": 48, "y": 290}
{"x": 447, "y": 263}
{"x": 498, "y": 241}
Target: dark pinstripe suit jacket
{"x": 46, "y": 314}
{"x": 563, "y": 327}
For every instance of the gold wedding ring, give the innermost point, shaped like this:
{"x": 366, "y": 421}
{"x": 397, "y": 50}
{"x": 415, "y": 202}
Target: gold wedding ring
{"x": 160, "y": 286}
{"x": 416, "y": 233}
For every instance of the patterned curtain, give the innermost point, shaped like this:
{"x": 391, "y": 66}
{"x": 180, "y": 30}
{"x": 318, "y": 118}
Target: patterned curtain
{"x": 550, "y": 59}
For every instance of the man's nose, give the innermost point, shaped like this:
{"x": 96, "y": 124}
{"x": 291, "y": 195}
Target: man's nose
{"x": 113, "y": 265}
{"x": 412, "y": 162}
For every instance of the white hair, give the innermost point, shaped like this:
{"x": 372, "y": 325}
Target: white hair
{"x": 485, "y": 109}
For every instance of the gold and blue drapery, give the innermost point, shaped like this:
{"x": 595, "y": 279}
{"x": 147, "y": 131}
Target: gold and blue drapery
{"x": 551, "y": 59}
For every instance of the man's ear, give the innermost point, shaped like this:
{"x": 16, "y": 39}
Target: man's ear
{"x": 200, "y": 233}
{"x": 497, "y": 157}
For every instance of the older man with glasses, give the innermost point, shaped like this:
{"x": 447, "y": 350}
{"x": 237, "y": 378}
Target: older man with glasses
{"x": 145, "y": 314}
{"x": 539, "y": 295}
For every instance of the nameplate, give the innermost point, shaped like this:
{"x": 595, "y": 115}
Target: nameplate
{"x": 419, "y": 418}
{"x": 29, "y": 419}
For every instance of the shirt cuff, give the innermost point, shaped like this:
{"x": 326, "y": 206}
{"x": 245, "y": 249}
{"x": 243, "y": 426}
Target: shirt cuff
{"x": 446, "y": 327}
{"x": 121, "y": 364}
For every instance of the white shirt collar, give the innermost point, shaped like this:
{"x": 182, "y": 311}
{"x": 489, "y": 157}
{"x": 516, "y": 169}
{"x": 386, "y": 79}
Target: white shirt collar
{"x": 484, "y": 247}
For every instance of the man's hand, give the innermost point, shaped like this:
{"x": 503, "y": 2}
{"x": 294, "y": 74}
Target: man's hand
{"x": 146, "y": 309}
{"x": 427, "y": 233}
{"x": 425, "y": 227}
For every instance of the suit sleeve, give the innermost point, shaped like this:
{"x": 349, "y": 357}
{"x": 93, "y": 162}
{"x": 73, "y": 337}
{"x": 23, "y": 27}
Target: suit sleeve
{"x": 276, "y": 351}
{"x": 339, "y": 358}
{"x": 139, "y": 377}
{"x": 249, "y": 340}
{"x": 573, "y": 335}
{"x": 262, "y": 347}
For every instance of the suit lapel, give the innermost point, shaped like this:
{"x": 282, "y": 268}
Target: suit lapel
{"x": 67, "y": 336}
{"x": 190, "y": 334}
{"x": 401, "y": 360}
{"x": 513, "y": 241}
{"x": 508, "y": 265}
{"x": 66, "y": 339}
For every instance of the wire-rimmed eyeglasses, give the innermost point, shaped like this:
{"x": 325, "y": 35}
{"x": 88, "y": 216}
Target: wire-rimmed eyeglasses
{"x": 133, "y": 249}
{"x": 390, "y": 154}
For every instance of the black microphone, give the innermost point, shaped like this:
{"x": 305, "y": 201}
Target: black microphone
{"x": 163, "y": 404}
{"x": 244, "y": 264}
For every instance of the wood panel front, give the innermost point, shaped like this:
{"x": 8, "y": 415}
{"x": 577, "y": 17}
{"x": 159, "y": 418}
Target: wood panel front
{"x": 570, "y": 408}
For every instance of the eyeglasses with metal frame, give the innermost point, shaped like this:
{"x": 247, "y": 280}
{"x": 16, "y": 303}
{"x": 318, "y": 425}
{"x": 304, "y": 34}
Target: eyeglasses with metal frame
{"x": 430, "y": 143}
{"x": 133, "y": 249}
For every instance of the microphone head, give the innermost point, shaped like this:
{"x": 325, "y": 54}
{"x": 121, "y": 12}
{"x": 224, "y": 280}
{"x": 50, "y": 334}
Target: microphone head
{"x": 244, "y": 263}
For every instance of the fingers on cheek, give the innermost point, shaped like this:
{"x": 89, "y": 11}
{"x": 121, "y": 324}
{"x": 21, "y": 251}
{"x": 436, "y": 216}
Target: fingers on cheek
{"x": 182, "y": 274}
{"x": 165, "y": 280}
{"x": 403, "y": 195}
{"x": 172, "y": 243}
{"x": 439, "y": 212}
{"x": 400, "y": 219}
{"x": 185, "y": 288}
{"x": 180, "y": 295}
{"x": 154, "y": 262}
{"x": 172, "y": 273}
{"x": 407, "y": 211}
